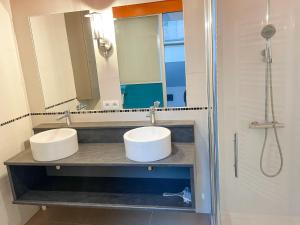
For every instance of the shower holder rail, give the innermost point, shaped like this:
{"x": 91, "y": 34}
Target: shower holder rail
{"x": 265, "y": 125}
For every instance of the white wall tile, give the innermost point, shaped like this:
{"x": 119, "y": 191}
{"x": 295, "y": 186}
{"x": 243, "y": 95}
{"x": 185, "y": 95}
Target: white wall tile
{"x": 196, "y": 89}
{"x": 11, "y": 75}
{"x": 194, "y": 26}
{"x": 14, "y": 104}
{"x": 12, "y": 138}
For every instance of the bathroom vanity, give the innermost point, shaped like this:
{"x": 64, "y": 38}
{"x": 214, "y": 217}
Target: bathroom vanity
{"x": 100, "y": 175}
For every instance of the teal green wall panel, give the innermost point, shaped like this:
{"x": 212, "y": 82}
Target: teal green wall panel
{"x": 142, "y": 95}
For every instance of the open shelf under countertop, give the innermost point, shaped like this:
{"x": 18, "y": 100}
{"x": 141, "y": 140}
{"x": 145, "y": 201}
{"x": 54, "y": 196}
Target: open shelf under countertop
{"x": 104, "y": 200}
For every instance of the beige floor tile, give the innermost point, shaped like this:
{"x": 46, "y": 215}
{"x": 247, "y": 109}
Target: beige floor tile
{"x": 40, "y": 220}
{"x": 179, "y": 218}
{"x": 67, "y": 214}
{"x": 60, "y": 215}
{"x": 86, "y": 216}
{"x": 119, "y": 217}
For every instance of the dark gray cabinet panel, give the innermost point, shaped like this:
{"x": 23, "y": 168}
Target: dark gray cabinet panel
{"x": 72, "y": 186}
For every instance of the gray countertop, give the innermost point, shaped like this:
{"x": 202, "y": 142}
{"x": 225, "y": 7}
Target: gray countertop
{"x": 119, "y": 124}
{"x": 106, "y": 154}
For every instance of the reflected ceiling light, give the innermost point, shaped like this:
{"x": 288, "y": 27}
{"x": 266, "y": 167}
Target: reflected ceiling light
{"x": 104, "y": 45}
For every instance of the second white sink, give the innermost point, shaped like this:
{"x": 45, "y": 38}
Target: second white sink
{"x": 54, "y": 144}
{"x": 148, "y": 144}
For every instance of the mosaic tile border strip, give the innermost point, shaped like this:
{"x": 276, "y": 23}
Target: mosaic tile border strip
{"x": 15, "y": 119}
{"x": 121, "y": 111}
{"x": 103, "y": 111}
{"x": 61, "y": 103}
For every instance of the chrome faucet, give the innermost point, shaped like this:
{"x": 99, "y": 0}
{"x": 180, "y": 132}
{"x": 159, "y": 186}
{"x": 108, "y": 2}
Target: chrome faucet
{"x": 81, "y": 106}
{"x": 67, "y": 115}
{"x": 152, "y": 111}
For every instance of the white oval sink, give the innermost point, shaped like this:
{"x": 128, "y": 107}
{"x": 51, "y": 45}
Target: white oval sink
{"x": 148, "y": 144}
{"x": 54, "y": 144}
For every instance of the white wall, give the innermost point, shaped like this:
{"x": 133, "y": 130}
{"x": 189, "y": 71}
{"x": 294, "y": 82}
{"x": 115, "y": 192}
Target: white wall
{"x": 294, "y": 104}
{"x": 108, "y": 70}
{"x": 53, "y": 57}
{"x": 252, "y": 198}
{"x": 14, "y": 104}
{"x": 194, "y": 41}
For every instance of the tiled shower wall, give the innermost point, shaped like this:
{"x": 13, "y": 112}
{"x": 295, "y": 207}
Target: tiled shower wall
{"x": 252, "y": 198}
{"x": 13, "y": 105}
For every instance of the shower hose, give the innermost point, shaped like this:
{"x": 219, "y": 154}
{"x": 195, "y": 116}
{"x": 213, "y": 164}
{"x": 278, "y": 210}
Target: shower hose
{"x": 269, "y": 91}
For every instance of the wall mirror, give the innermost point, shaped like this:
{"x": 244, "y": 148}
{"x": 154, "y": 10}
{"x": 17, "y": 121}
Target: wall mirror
{"x": 123, "y": 57}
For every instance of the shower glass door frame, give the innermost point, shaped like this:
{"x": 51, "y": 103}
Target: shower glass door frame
{"x": 211, "y": 71}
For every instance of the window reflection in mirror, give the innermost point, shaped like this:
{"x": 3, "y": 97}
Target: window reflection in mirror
{"x": 151, "y": 60}
{"x": 174, "y": 59}
{"x": 140, "y": 61}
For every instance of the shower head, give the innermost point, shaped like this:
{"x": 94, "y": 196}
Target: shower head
{"x": 268, "y": 31}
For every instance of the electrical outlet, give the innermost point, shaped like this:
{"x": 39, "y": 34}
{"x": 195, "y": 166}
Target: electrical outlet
{"x": 106, "y": 105}
{"x": 115, "y": 104}
{"x": 111, "y": 104}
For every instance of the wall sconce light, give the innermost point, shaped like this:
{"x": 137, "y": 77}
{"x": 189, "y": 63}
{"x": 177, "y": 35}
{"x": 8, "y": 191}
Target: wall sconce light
{"x": 104, "y": 45}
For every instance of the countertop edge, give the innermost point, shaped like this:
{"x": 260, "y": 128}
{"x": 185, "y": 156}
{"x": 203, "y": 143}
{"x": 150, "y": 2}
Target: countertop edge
{"x": 100, "y": 164}
{"x": 11, "y": 162}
